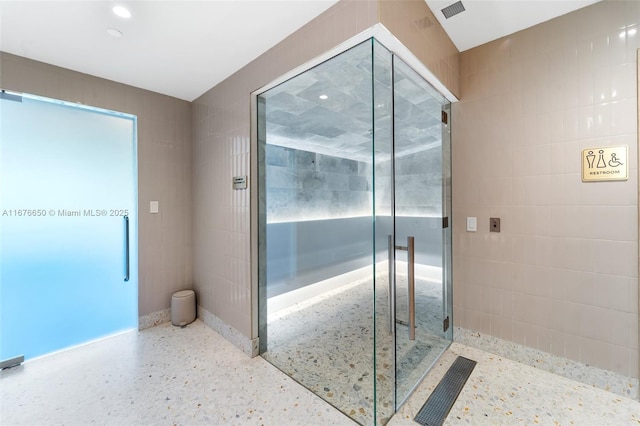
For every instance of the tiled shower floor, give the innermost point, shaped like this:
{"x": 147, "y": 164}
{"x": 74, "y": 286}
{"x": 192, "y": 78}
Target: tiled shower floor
{"x": 166, "y": 375}
{"x": 326, "y": 344}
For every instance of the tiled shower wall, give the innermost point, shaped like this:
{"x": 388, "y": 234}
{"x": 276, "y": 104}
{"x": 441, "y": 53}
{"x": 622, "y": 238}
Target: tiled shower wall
{"x": 164, "y": 167}
{"x": 562, "y": 276}
{"x": 221, "y": 143}
{"x": 304, "y": 185}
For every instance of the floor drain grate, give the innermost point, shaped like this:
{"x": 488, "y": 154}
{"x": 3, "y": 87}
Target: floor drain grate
{"x": 439, "y": 403}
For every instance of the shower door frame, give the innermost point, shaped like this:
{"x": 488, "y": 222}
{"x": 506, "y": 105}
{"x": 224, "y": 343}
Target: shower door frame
{"x": 380, "y": 34}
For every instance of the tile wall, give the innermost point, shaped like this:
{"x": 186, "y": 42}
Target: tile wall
{"x": 304, "y": 185}
{"x": 164, "y": 167}
{"x": 562, "y": 276}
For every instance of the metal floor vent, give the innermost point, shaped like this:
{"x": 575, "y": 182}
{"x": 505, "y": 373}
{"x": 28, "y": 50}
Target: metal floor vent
{"x": 436, "y": 409}
{"x": 453, "y": 9}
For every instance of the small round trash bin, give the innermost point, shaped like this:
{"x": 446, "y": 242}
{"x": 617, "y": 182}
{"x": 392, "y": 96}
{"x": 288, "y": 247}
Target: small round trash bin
{"x": 183, "y": 307}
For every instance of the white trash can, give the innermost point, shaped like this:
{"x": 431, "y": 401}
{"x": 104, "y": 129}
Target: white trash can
{"x": 183, "y": 307}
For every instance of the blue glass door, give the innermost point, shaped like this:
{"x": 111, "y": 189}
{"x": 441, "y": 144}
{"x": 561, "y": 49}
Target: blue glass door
{"x": 68, "y": 225}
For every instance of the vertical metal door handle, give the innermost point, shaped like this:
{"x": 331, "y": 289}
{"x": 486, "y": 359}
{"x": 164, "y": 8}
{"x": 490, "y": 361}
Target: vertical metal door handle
{"x": 412, "y": 288}
{"x": 126, "y": 248}
{"x": 392, "y": 293}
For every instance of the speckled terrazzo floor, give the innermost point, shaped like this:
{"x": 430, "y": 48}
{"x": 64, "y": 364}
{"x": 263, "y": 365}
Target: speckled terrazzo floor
{"x": 163, "y": 375}
{"x": 504, "y": 392}
{"x": 326, "y": 344}
{"x": 166, "y": 375}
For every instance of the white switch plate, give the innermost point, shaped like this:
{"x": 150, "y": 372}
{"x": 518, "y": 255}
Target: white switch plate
{"x": 153, "y": 207}
{"x": 472, "y": 224}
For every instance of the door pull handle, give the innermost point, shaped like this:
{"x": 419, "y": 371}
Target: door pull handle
{"x": 412, "y": 287}
{"x": 126, "y": 248}
{"x": 392, "y": 287}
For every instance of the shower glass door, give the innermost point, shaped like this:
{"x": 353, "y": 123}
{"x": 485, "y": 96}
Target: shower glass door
{"x": 68, "y": 225}
{"x": 421, "y": 181}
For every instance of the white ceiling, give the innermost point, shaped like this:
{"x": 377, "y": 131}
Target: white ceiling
{"x": 179, "y": 48}
{"x": 183, "y": 48}
{"x": 483, "y": 21}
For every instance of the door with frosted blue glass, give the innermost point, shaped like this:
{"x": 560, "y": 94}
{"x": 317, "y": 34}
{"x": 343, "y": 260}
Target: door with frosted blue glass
{"x": 68, "y": 225}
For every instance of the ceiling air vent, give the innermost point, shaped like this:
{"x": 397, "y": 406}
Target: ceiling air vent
{"x": 453, "y": 9}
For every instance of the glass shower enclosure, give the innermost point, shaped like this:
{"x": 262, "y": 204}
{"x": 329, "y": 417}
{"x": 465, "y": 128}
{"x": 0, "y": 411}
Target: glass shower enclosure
{"x": 353, "y": 237}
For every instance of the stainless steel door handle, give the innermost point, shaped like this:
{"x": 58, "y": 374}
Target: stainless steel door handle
{"x": 412, "y": 287}
{"x": 126, "y": 248}
{"x": 410, "y": 248}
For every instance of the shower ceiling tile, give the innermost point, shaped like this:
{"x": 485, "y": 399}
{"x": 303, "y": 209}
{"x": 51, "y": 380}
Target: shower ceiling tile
{"x": 411, "y": 92}
{"x": 282, "y": 118}
{"x": 276, "y": 130}
{"x": 320, "y": 117}
{"x": 407, "y": 111}
{"x": 345, "y": 75}
{"x": 423, "y": 122}
{"x": 360, "y": 112}
{"x": 360, "y": 92}
{"x": 324, "y": 130}
{"x": 340, "y": 125}
{"x": 293, "y": 85}
{"x": 287, "y": 101}
{"x": 382, "y": 72}
{"x": 335, "y": 99}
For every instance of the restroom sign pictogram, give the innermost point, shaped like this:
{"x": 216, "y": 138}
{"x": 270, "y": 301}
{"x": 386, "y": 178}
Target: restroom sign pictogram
{"x": 605, "y": 163}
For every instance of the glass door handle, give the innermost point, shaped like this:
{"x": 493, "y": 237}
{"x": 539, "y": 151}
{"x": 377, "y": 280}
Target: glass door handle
{"x": 412, "y": 287}
{"x": 126, "y": 248}
{"x": 392, "y": 287}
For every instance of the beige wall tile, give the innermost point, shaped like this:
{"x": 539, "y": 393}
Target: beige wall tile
{"x": 596, "y": 353}
{"x": 572, "y": 85}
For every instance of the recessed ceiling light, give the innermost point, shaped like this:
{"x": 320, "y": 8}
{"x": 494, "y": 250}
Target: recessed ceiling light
{"x": 323, "y": 97}
{"x": 113, "y": 32}
{"x": 121, "y": 11}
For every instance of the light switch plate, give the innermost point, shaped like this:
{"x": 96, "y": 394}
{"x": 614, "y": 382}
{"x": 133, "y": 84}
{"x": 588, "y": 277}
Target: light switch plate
{"x": 472, "y": 224}
{"x": 153, "y": 207}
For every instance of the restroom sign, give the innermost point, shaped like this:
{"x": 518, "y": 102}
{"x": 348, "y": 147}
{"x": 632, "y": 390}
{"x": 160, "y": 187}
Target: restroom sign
{"x": 606, "y": 163}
